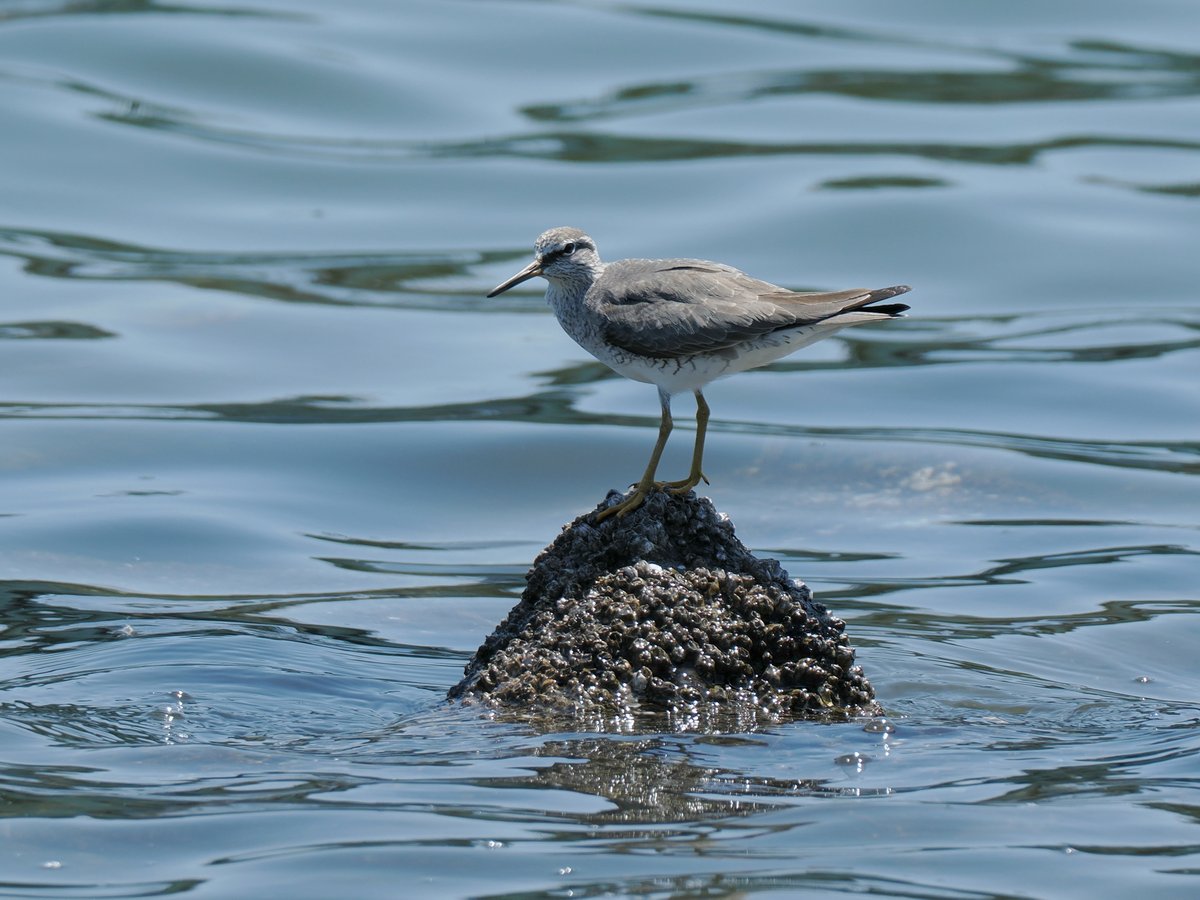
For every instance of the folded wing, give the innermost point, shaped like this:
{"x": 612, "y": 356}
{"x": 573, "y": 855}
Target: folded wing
{"x": 674, "y": 307}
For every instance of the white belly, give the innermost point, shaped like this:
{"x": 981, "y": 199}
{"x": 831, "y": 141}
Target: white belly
{"x": 691, "y": 373}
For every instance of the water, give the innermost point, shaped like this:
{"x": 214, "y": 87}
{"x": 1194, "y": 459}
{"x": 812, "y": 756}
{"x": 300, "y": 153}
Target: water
{"x": 272, "y": 467}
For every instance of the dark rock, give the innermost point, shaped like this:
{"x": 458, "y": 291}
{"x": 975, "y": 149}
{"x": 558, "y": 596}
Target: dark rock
{"x": 665, "y": 613}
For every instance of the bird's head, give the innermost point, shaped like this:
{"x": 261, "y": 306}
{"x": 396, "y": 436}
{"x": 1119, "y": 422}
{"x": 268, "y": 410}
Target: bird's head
{"x": 561, "y": 255}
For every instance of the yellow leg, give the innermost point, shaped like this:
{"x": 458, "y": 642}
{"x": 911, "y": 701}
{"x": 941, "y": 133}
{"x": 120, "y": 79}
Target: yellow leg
{"x": 695, "y": 475}
{"x": 647, "y": 484}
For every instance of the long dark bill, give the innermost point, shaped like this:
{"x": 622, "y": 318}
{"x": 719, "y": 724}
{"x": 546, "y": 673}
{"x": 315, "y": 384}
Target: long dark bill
{"x": 532, "y": 270}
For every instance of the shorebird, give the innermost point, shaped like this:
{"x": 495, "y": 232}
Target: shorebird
{"x": 680, "y": 323}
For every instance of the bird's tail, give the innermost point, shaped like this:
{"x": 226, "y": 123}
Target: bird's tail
{"x": 887, "y": 309}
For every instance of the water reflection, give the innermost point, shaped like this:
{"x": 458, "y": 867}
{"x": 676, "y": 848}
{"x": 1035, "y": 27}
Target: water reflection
{"x": 656, "y": 781}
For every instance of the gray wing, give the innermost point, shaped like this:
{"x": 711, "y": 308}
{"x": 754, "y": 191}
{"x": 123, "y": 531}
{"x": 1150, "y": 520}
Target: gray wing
{"x": 670, "y": 307}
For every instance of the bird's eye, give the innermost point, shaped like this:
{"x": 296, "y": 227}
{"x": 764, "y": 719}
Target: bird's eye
{"x": 568, "y": 248}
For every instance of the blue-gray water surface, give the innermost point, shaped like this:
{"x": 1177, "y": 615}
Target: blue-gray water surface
{"x": 271, "y": 468}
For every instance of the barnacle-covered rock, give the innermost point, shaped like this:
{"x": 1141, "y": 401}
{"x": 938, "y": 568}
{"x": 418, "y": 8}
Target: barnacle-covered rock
{"x": 664, "y": 612}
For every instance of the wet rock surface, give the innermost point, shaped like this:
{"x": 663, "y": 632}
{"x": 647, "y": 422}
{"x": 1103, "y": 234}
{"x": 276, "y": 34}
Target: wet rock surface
{"x": 665, "y": 612}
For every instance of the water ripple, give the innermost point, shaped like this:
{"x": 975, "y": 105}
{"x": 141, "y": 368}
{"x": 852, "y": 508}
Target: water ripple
{"x": 1114, "y": 73}
{"x": 346, "y": 279}
{"x": 32, "y": 9}
{"x": 51, "y": 331}
{"x": 556, "y": 407}
{"x": 608, "y": 148}
{"x": 947, "y": 628}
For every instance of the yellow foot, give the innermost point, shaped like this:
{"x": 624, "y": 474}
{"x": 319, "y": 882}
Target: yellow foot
{"x": 634, "y": 500}
{"x": 683, "y": 485}
{"x": 628, "y": 505}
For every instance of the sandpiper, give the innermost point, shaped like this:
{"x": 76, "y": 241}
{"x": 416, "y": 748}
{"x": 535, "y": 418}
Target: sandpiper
{"x": 680, "y": 323}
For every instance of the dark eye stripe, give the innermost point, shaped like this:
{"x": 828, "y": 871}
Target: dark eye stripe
{"x": 566, "y": 249}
